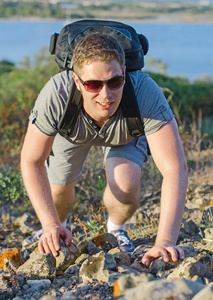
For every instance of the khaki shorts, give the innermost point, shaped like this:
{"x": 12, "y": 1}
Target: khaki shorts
{"x": 66, "y": 162}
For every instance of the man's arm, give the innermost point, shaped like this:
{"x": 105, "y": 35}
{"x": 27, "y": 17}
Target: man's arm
{"x": 35, "y": 151}
{"x": 167, "y": 151}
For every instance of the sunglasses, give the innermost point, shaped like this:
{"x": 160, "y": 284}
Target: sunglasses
{"x": 94, "y": 86}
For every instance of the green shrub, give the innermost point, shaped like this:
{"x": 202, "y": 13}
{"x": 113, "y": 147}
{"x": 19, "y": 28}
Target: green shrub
{"x": 11, "y": 187}
{"x": 188, "y": 96}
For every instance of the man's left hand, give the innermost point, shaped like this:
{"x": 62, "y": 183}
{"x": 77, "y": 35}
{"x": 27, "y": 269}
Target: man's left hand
{"x": 163, "y": 249}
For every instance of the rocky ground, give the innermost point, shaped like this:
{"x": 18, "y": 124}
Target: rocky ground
{"x": 96, "y": 269}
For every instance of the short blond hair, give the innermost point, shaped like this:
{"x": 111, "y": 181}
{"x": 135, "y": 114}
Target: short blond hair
{"x": 97, "y": 46}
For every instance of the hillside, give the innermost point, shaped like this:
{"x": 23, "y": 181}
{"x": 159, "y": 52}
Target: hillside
{"x": 178, "y": 11}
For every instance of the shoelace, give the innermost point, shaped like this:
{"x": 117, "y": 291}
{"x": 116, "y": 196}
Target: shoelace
{"x": 121, "y": 236}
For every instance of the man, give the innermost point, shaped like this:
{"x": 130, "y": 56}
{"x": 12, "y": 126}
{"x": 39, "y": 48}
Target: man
{"x": 99, "y": 74}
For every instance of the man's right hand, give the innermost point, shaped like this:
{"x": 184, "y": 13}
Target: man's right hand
{"x": 49, "y": 241}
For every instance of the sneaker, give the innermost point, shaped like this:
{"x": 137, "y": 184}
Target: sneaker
{"x": 124, "y": 242}
{"x": 33, "y": 238}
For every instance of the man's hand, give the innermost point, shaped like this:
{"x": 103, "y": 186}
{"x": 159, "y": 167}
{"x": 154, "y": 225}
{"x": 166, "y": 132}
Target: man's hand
{"x": 49, "y": 241}
{"x": 163, "y": 249}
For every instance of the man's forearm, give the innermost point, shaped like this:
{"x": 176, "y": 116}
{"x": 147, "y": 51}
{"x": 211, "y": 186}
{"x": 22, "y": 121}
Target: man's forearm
{"x": 38, "y": 189}
{"x": 173, "y": 196}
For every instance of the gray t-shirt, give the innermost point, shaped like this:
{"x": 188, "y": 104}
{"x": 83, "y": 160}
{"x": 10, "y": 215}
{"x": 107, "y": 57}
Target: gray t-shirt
{"x": 52, "y": 99}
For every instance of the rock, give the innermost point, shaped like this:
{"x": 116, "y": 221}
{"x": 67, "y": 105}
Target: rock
{"x": 206, "y": 293}
{"x": 113, "y": 277}
{"x": 191, "y": 266}
{"x": 64, "y": 259}
{"x": 94, "y": 264}
{"x": 191, "y": 227}
{"x": 105, "y": 242}
{"x": 139, "y": 252}
{"x": 208, "y": 246}
{"x": 28, "y": 249}
{"x": 157, "y": 265}
{"x": 104, "y": 275}
{"x": 198, "y": 279}
{"x": 38, "y": 266}
{"x": 47, "y": 297}
{"x": 163, "y": 289}
{"x": 196, "y": 215}
{"x": 188, "y": 249}
{"x": 121, "y": 258}
{"x": 207, "y": 215}
{"x": 104, "y": 264}
{"x": 126, "y": 269}
{"x": 37, "y": 286}
{"x": 204, "y": 189}
{"x": 68, "y": 296}
{"x": 41, "y": 282}
{"x": 128, "y": 281}
{"x": 90, "y": 248}
{"x": 10, "y": 266}
{"x": 137, "y": 266}
{"x": 81, "y": 259}
{"x": 73, "y": 270}
{"x": 25, "y": 224}
{"x": 208, "y": 232}
{"x": 12, "y": 255}
{"x": 8, "y": 287}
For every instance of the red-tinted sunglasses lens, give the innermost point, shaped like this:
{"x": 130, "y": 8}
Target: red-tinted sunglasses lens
{"x": 96, "y": 85}
{"x": 115, "y": 83}
{"x": 93, "y": 85}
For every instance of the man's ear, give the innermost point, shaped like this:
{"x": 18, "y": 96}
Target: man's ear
{"x": 77, "y": 82}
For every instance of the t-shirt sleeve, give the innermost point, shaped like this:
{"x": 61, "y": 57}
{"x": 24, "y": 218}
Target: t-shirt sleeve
{"x": 48, "y": 107}
{"x": 154, "y": 108}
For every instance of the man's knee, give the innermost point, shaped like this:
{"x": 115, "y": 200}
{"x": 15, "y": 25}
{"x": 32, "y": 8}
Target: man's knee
{"x": 123, "y": 189}
{"x": 123, "y": 178}
{"x": 122, "y": 186}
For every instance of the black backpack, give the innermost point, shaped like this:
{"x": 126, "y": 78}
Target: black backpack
{"x": 135, "y": 47}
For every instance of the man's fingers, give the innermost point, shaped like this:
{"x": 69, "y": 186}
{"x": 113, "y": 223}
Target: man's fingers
{"x": 173, "y": 253}
{"x": 181, "y": 253}
{"x": 40, "y": 247}
{"x": 66, "y": 236}
{"x": 68, "y": 240}
{"x": 149, "y": 256}
{"x": 43, "y": 246}
{"x": 176, "y": 252}
{"x": 164, "y": 254}
{"x": 146, "y": 261}
{"x": 46, "y": 246}
{"x": 56, "y": 244}
{"x": 49, "y": 244}
{"x": 156, "y": 252}
{"x": 49, "y": 241}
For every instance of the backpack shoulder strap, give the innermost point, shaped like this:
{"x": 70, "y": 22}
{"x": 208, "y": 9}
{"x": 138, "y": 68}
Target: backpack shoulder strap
{"x": 71, "y": 111}
{"x": 130, "y": 109}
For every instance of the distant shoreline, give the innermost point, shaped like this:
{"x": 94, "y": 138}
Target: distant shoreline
{"x": 156, "y": 20}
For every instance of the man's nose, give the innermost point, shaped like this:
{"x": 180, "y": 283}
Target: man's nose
{"x": 105, "y": 91}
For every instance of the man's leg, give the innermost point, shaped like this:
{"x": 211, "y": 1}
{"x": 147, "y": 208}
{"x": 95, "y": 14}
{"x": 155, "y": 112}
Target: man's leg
{"x": 63, "y": 197}
{"x": 122, "y": 193}
{"x": 121, "y": 197}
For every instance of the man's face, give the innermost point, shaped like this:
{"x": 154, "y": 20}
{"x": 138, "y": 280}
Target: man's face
{"x": 103, "y": 104}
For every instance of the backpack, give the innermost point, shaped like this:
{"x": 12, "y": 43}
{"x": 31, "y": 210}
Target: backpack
{"x": 135, "y": 47}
